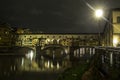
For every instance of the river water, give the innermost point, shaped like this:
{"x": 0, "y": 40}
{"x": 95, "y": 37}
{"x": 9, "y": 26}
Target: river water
{"x": 24, "y": 61}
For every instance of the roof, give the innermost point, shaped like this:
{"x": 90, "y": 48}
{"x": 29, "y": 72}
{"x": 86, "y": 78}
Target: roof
{"x": 115, "y": 9}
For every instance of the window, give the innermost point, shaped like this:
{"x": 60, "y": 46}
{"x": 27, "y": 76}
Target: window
{"x": 59, "y": 36}
{"x": 47, "y": 36}
{"x": 118, "y": 19}
{"x": 53, "y": 36}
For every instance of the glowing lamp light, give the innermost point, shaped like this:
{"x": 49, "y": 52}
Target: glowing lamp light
{"x": 99, "y": 13}
{"x": 115, "y": 41}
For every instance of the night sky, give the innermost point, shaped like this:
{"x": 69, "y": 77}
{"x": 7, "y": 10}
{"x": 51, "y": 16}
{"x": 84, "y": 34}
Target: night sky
{"x": 69, "y": 16}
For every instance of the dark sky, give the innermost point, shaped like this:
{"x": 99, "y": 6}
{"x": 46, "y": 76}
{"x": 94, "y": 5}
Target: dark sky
{"x": 69, "y": 16}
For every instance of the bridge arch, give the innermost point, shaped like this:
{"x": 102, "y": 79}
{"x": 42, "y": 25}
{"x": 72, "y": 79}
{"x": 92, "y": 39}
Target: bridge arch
{"x": 54, "y": 51}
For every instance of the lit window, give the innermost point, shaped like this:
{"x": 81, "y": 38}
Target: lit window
{"x": 115, "y": 40}
{"x": 118, "y": 19}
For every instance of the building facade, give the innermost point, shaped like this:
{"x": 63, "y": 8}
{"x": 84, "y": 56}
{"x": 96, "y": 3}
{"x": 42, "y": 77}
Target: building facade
{"x": 7, "y": 36}
{"x": 111, "y": 35}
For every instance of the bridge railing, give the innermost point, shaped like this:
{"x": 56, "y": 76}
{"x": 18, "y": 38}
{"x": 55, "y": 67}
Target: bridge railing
{"x": 107, "y": 60}
{"x": 81, "y": 53}
{"x": 107, "y": 56}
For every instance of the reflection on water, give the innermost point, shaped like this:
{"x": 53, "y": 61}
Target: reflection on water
{"x": 11, "y": 63}
{"x": 42, "y": 64}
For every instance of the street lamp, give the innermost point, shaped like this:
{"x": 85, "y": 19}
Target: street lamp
{"x": 99, "y": 14}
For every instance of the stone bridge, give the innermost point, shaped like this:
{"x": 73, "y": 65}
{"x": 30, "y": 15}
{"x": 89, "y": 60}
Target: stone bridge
{"x": 43, "y": 39}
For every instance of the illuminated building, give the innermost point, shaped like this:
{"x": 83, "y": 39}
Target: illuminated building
{"x": 69, "y": 39}
{"x": 111, "y": 35}
{"x": 7, "y": 36}
{"x": 22, "y": 30}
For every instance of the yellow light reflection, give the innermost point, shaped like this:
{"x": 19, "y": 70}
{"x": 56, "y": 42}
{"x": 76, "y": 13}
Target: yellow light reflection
{"x": 58, "y": 66}
{"x": 47, "y": 64}
{"x": 52, "y": 65}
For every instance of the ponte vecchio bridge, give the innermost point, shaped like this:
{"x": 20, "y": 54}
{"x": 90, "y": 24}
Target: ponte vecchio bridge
{"x": 43, "y": 39}
{"x": 55, "y": 51}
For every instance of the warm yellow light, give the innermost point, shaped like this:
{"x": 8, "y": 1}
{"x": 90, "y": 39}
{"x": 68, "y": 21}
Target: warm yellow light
{"x": 52, "y": 65}
{"x": 115, "y": 41}
{"x": 58, "y": 66}
{"x": 47, "y": 41}
{"x": 99, "y": 13}
{"x": 47, "y": 64}
{"x": 30, "y": 55}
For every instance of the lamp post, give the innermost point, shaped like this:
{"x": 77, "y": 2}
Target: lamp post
{"x": 99, "y": 14}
